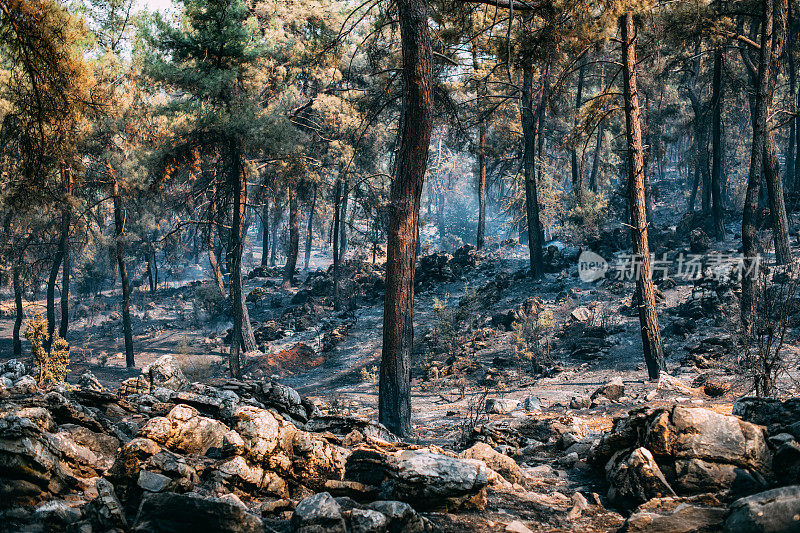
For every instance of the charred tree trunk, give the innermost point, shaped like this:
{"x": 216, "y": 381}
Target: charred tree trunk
{"x": 276, "y": 220}
{"x": 758, "y": 147}
{"x": 119, "y": 228}
{"x": 529, "y": 129}
{"x": 265, "y": 233}
{"x": 337, "y": 196}
{"x": 577, "y": 176}
{"x": 212, "y": 237}
{"x": 310, "y": 230}
{"x": 394, "y": 396}
{"x": 777, "y": 205}
{"x": 294, "y": 239}
{"x": 66, "y": 223}
{"x": 596, "y": 159}
{"x": 645, "y": 295}
{"x": 51, "y": 295}
{"x": 479, "y": 93}
{"x": 20, "y": 311}
{"x": 150, "y": 279}
{"x": 242, "y": 330}
{"x": 343, "y": 221}
{"x": 716, "y": 161}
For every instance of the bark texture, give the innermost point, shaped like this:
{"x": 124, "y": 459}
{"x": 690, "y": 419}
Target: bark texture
{"x": 394, "y": 397}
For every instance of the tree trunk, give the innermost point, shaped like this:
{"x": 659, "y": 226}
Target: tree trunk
{"x": 529, "y": 129}
{"x": 119, "y": 228}
{"x": 51, "y": 295}
{"x": 310, "y": 230}
{"x": 645, "y": 295}
{"x": 596, "y": 160}
{"x": 760, "y": 108}
{"x": 716, "y": 161}
{"x": 479, "y": 93}
{"x": 212, "y": 236}
{"x": 343, "y": 221}
{"x": 20, "y": 312}
{"x": 294, "y": 239}
{"x": 394, "y": 393}
{"x": 337, "y": 198}
{"x": 792, "y": 69}
{"x": 150, "y": 279}
{"x": 777, "y": 206}
{"x": 265, "y": 232}
{"x": 577, "y": 177}
{"x": 66, "y": 222}
{"x": 276, "y": 219}
{"x": 242, "y": 330}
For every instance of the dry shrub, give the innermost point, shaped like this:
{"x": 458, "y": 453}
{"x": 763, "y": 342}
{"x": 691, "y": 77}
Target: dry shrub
{"x": 53, "y": 366}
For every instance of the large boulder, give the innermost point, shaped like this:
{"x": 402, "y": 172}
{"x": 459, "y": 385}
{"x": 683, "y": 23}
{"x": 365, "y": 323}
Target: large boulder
{"x": 190, "y": 513}
{"x": 423, "y": 479}
{"x": 773, "y": 511}
{"x": 165, "y": 372}
{"x": 184, "y": 430}
{"x": 696, "y": 450}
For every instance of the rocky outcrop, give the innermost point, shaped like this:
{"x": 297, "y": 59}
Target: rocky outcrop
{"x": 191, "y": 513}
{"x": 683, "y": 451}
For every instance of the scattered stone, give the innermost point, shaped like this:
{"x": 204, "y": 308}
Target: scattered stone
{"x": 677, "y": 515}
{"x": 582, "y": 314}
{"x": 501, "y": 406}
{"x": 517, "y": 527}
{"x": 613, "y": 390}
{"x": 500, "y": 463}
{"x": 580, "y": 402}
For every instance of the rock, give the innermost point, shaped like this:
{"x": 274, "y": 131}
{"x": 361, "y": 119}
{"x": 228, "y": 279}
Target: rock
{"x": 517, "y": 527}
{"x": 773, "y": 511}
{"x": 152, "y": 481}
{"x": 636, "y": 480}
{"x": 344, "y": 425}
{"x": 786, "y": 463}
{"x": 532, "y": 404}
{"x": 423, "y": 479}
{"x": 318, "y": 514}
{"x": 500, "y": 463}
{"x": 165, "y": 372}
{"x": 670, "y": 383}
{"x": 778, "y": 416}
{"x": 106, "y": 511}
{"x": 501, "y": 406}
{"x": 613, "y": 390}
{"x": 699, "y": 241}
{"x": 190, "y": 513}
{"x": 580, "y": 504}
{"x": 13, "y": 369}
{"x": 25, "y": 385}
{"x": 696, "y": 449}
{"x": 715, "y": 388}
{"x": 402, "y": 517}
{"x": 184, "y": 430}
{"x": 582, "y": 314}
{"x": 367, "y": 521}
{"x": 580, "y": 402}
{"x": 698, "y": 514}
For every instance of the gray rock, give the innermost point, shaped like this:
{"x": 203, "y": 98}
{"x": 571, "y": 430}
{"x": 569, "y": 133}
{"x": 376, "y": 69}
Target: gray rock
{"x": 190, "y": 513}
{"x": 165, "y": 372}
{"x": 773, "y": 511}
{"x": 532, "y": 404}
{"x": 152, "y": 481}
{"x": 580, "y": 402}
{"x": 501, "y": 406}
{"x": 401, "y": 516}
{"x": 106, "y": 511}
{"x": 318, "y": 514}
{"x": 677, "y": 515}
{"x": 423, "y": 479}
{"x": 367, "y": 521}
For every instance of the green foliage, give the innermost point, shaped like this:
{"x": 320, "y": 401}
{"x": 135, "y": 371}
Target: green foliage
{"x": 53, "y": 366}
{"x": 208, "y": 298}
